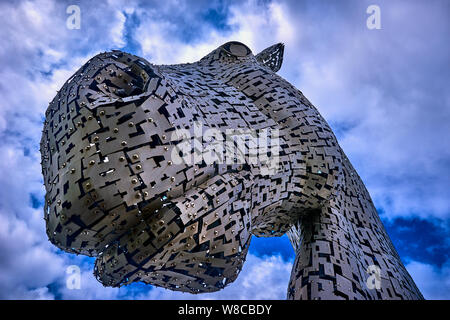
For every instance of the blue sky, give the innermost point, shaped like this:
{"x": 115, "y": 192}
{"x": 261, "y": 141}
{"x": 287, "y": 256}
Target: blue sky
{"x": 384, "y": 92}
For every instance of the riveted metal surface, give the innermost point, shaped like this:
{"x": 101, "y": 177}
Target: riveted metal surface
{"x": 114, "y": 189}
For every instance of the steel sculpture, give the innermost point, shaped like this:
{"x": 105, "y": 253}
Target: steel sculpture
{"x": 120, "y": 184}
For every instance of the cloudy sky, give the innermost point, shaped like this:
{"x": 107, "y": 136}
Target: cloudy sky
{"x": 383, "y": 91}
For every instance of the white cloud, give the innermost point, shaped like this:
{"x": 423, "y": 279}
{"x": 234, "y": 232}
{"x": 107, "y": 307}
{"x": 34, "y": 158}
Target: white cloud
{"x": 117, "y": 31}
{"x": 28, "y": 264}
{"x": 265, "y": 278}
{"x": 433, "y": 282}
{"x": 90, "y": 288}
{"x": 249, "y": 22}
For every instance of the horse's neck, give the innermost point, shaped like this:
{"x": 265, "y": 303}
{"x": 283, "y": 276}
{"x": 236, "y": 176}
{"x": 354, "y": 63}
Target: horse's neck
{"x": 343, "y": 251}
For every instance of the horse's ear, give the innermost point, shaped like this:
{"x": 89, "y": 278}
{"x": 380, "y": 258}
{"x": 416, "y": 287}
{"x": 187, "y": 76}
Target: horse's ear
{"x": 272, "y": 57}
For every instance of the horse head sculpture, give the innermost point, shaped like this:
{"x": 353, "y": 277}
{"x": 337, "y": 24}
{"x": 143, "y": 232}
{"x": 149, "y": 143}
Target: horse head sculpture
{"x": 164, "y": 173}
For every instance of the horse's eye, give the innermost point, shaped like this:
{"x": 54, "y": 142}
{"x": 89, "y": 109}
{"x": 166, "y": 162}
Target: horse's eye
{"x": 236, "y": 49}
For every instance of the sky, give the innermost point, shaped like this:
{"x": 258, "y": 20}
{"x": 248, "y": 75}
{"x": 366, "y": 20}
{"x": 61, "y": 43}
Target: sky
{"x": 383, "y": 91}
